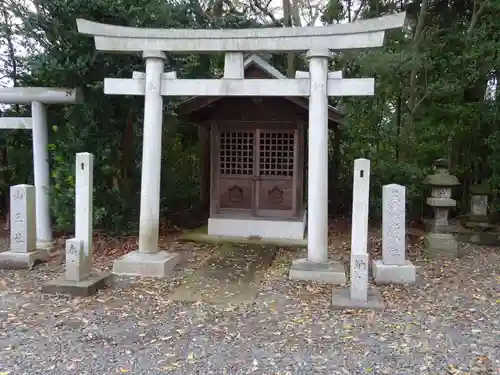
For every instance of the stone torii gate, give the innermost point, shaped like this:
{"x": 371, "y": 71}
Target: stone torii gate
{"x": 318, "y": 85}
{"x": 38, "y": 97}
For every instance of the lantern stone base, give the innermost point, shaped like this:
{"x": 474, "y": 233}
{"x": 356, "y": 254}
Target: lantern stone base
{"x": 441, "y": 245}
{"x": 392, "y": 273}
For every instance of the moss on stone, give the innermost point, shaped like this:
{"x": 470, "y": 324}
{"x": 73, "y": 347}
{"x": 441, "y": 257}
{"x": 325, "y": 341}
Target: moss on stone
{"x": 441, "y": 179}
{"x": 480, "y": 189}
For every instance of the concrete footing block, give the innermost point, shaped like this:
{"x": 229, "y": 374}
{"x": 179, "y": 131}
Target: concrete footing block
{"x": 14, "y": 260}
{"x": 341, "y": 299}
{"x": 158, "y": 264}
{"x": 82, "y": 288}
{"x": 330, "y": 272}
{"x": 393, "y": 274}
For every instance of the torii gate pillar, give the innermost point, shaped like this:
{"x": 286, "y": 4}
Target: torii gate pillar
{"x": 316, "y": 266}
{"x": 317, "y": 194}
{"x": 148, "y": 260}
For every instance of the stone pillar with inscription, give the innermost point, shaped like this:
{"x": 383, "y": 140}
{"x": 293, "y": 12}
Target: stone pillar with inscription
{"x": 79, "y": 278}
{"x": 394, "y": 267}
{"x": 22, "y": 252}
{"x": 359, "y": 295}
{"x": 440, "y": 241}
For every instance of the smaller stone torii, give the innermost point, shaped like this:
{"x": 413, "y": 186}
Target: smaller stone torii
{"x": 317, "y": 84}
{"x": 38, "y": 97}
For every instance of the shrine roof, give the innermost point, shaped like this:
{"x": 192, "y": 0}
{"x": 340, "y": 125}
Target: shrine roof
{"x": 197, "y": 103}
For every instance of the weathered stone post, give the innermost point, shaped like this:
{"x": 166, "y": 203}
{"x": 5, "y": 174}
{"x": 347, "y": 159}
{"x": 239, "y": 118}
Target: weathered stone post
{"x": 79, "y": 279}
{"x": 440, "y": 241}
{"x": 84, "y": 206}
{"x": 359, "y": 295}
{"x": 394, "y": 267}
{"x": 22, "y": 252}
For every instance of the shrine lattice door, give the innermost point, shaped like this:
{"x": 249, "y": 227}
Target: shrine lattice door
{"x": 275, "y": 178}
{"x": 257, "y": 171}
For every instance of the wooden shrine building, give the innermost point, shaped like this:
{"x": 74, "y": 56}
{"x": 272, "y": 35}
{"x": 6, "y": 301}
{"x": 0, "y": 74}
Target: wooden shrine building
{"x": 257, "y": 159}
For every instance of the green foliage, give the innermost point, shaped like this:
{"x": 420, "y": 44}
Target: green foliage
{"x": 431, "y": 100}
{"x": 448, "y": 113}
{"x": 109, "y": 127}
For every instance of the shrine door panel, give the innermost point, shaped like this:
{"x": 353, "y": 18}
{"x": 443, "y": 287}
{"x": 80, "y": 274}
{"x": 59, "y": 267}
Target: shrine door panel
{"x": 236, "y": 169}
{"x": 276, "y": 163}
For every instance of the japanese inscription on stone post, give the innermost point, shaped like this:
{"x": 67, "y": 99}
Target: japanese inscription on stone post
{"x": 75, "y": 260}
{"x": 393, "y": 224}
{"x": 22, "y": 219}
{"x": 359, "y": 277}
{"x": 479, "y": 205}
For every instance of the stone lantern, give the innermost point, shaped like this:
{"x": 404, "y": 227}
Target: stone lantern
{"x": 440, "y": 241}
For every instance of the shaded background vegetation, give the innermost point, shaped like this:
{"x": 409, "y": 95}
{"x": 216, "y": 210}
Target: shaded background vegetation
{"x": 435, "y": 97}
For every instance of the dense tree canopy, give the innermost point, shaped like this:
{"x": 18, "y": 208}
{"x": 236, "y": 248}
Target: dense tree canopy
{"x": 435, "y": 96}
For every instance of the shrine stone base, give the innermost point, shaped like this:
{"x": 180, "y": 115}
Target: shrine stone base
{"x": 393, "y": 274}
{"x": 158, "y": 264}
{"x": 441, "y": 245}
{"x": 330, "y": 272}
{"x": 14, "y": 260}
{"x": 82, "y": 288}
{"x": 341, "y": 299}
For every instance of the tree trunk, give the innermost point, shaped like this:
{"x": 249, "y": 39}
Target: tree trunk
{"x": 408, "y": 134}
{"x": 399, "y": 102}
{"x": 287, "y": 19}
{"x": 5, "y": 179}
{"x": 128, "y": 154}
{"x": 334, "y": 192}
{"x": 295, "y": 12}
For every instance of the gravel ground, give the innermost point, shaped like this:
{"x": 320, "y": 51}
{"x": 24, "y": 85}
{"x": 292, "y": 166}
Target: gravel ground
{"x": 447, "y": 323}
